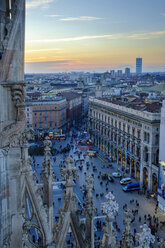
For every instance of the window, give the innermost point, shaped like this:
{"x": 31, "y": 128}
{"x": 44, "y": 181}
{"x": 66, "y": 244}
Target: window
{"x": 138, "y": 134}
{"x": 128, "y": 129}
{"x": 115, "y": 123}
{"x": 147, "y": 137}
{"x": 124, "y": 127}
{"x": 145, "y": 154}
{"x": 133, "y": 131}
{"x": 157, "y": 139}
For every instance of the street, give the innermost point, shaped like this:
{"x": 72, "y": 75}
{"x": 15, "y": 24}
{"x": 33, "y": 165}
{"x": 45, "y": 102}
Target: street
{"x": 140, "y": 206}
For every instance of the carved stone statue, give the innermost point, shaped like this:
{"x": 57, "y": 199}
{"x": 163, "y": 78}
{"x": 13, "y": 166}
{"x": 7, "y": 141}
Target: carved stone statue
{"x": 89, "y": 213}
{"x": 145, "y": 238}
{"x": 109, "y": 208}
{"x": 127, "y": 240}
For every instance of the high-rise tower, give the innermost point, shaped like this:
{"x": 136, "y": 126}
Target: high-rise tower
{"x": 138, "y": 65}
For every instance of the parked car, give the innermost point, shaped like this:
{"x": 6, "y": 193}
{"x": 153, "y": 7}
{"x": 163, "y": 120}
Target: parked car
{"x": 125, "y": 181}
{"x": 116, "y": 174}
{"x": 131, "y": 187}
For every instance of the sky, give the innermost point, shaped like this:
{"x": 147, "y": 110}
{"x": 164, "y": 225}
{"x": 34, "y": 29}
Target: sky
{"x": 94, "y": 35}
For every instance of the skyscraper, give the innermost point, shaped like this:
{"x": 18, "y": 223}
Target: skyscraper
{"x": 127, "y": 72}
{"x": 138, "y": 65}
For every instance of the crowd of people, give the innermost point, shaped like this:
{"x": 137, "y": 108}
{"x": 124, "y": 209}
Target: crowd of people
{"x": 85, "y": 166}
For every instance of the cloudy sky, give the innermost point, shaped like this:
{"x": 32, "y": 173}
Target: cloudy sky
{"x": 94, "y": 35}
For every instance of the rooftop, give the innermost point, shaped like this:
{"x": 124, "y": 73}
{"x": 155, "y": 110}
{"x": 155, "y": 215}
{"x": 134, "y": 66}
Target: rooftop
{"x": 70, "y": 95}
{"x": 147, "y": 111}
{"x": 46, "y": 99}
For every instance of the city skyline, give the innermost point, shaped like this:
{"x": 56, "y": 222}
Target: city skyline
{"x": 95, "y": 36}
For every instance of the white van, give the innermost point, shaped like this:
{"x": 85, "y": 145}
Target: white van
{"x": 125, "y": 181}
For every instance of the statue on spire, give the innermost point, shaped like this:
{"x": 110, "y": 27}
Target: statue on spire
{"x": 127, "y": 241}
{"x": 110, "y": 208}
{"x": 69, "y": 173}
{"x": 47, "y": 179}
{"x": 89, "y": 213}
{"x": 145, "y": 238}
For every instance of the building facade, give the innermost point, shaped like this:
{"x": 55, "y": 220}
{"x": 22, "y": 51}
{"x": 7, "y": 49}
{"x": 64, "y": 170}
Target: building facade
{"x": 84, "y": 104}
{"x": 44, "y": 115}
{"x": 127, "y": 72}
{"x": 161, "y": 183}
{"x": 129, "y": 136}
{"x": 74, "y": 107}
{"x": 138, "y": 65}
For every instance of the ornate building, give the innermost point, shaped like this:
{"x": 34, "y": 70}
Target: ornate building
{"x": 130, "y": 136}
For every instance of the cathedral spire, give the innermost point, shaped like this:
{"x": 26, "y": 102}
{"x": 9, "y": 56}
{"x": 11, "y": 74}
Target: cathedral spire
{"x": 145, "y": 238}
{"x": 69, "y": 173}
{"x": 89, "y": 213}
{"x": 109, "y": 208}
{"x": 68, "y": 214}
{"x": 47, "y": 179}
{"x": 127, "y": 241}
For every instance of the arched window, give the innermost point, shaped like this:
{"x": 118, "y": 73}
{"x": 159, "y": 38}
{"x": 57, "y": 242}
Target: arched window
{"x": 157, "y": 157}
{"x": 145, "y": 154}
{"x": 157, "y": 139}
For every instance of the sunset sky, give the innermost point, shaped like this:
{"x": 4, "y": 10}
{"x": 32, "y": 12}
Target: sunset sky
{"x": 94, "y": 35}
